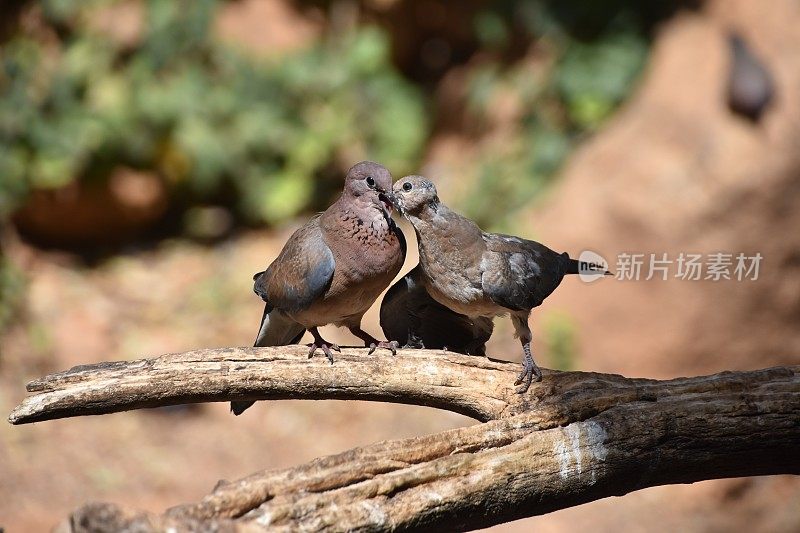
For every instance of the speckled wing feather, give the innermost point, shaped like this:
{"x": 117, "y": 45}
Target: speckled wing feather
{"x": 407, "y": 307}
{"x": 301, "y": 273}
{"x": 519, "y": 274}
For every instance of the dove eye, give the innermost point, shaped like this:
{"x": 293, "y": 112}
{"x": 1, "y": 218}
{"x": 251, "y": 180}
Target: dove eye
{"x": 407, "y": 186}
{"x": 370, "y": 181}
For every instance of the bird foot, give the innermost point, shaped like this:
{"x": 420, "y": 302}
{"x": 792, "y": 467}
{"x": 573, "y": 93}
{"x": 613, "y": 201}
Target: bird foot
{"x": 389, "y": 345}
{"x": 529, "y": 370}
{"x": 414, "y": 342}
{"x": 326, "y": 348}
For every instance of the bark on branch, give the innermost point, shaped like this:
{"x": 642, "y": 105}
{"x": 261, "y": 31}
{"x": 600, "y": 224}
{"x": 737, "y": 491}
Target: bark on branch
{"x": 574, "y": 438}
{"x": 474, "y": 386}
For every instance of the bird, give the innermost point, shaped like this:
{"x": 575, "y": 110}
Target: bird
{"x": 333, "y": 268}
{"x": 750, "y": 85}
{"x": 413, "y": 319}
{"x": 479, "y": 274}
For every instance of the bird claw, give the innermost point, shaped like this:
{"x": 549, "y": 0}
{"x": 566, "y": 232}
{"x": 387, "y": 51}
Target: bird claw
{"x": 414, "y": 342}
{"x": 326, "y": 349}
{"x": 389, "y": 345}
{"x": 529, "y": 369}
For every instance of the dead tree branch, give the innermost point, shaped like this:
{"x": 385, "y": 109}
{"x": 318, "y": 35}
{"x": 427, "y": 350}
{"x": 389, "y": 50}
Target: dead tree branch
{"x": 474, "y": 386}
{"x": 574, "y": 438}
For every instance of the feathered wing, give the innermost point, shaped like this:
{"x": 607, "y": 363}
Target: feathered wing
{"x": 300, "y": 274}
{"x": 408, "y": 311}
{"x": 519, "y": 274}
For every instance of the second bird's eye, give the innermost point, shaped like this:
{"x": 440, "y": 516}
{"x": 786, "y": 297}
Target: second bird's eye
{"x": 370, "y": 181}
{"x": 407, "y": 186}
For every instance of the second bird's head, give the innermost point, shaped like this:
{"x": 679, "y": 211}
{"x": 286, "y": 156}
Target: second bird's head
{"x": 412, "y": 194}
{"x": 370, "y": 182}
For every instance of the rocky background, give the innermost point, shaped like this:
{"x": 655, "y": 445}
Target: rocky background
{"x": 153, "y": 158}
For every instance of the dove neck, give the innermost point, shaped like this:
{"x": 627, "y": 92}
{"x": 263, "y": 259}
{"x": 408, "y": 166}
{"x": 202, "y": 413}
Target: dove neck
{"x": 444, "y": 238}
{"x": 428, "y": 213}
{"x": 436, "y": 220}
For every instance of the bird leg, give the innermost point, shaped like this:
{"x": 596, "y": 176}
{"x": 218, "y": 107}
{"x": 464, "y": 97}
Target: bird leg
{"x": 322, "y": 344}
{"x": 414, "y": 339}
{"x": 529, "y": 367}
{"x": 371, "y": 342}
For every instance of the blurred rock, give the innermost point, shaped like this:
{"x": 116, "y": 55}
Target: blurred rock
{"x": 675, "y": 172}
{"x": 208, "y": 222}
{"x": 86, "y": 215}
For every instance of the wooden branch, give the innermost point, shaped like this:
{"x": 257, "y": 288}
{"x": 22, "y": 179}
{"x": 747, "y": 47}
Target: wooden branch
{"x": 474, "y": 386}
{"x": 574, "y": 438}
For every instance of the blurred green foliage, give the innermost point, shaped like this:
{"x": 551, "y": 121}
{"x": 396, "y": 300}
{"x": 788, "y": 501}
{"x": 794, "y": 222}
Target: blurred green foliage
{"x": 262, "y": 135}
{"x": 583, "y": 59}
{"x": 12, "y": 289}
{"x": 559, "y": 334}
{"x": 212, "y": 122}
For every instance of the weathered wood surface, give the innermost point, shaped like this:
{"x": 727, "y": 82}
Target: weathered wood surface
{"x": 474, "y": 386}
{"x": 575, "y": 437}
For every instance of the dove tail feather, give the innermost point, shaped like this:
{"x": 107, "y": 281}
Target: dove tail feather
{"x": 276, "y": 329}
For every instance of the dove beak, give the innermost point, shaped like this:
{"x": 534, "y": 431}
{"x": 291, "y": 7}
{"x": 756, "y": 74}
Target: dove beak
{"x": 388, "y": 200}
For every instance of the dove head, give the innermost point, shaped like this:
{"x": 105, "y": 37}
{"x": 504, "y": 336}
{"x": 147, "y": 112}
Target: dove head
{"x": 370, "y": 182}
{"x": 413, "y": 194}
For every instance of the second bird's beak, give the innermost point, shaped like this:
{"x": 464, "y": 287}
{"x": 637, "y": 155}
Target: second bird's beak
{"x": 388, "y": 200}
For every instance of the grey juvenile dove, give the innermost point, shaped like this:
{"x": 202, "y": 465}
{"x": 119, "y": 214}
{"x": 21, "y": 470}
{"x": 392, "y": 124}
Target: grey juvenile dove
{"x": 478, "y": 274}
{"x": 332, "y": 269}
{"x": 415, "y": 320}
